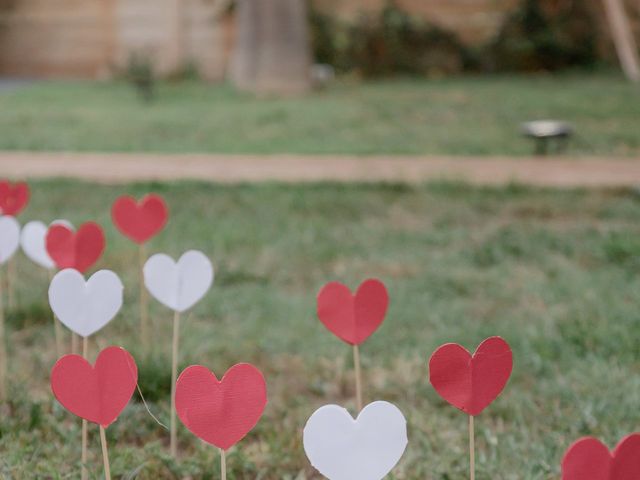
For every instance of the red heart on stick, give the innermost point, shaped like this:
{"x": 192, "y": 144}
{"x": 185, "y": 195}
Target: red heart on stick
{"x": 221, "y": 412}
{"x": 589, "y": 459}
{"x": 79, "y": 250}
{"x": 467, "y": 382}
{"x": 139, "y": 221}
{"x": 98, "y": 394}
{"x": 353, "y": 318}
{"x": 13, "y": 197}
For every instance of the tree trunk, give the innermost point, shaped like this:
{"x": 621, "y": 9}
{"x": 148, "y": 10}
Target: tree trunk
{"x": 272, "y": 54}
{"x": 245, "y": 53}
{"x": 623, "y": 39}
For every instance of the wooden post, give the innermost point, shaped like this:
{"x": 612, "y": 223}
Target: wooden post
{"x": 110, "y": 32}
{"x": 11, "y": 283}
{"x": 3, "y": 347}
{"x": 105, "y": 454}
{"x": 623, "y": 39}
{"x": 144, "y": 316}
{"x": 57, "y": 328}
{"x": 356, "y": 365}
{"x": 85, "y": 426}
{"x": 223, "y": 464}
{"x": 176, "y": 39}
{"x": 173, "y": 445}
{"x": 472, "y": 449}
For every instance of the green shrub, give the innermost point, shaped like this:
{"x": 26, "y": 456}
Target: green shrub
{"x": 533, "y": 39}
{"x": 539, "y": 35}
{"x": 387, "y": 42}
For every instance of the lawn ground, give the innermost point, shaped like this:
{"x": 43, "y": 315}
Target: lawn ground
{"x": 553, "y": 272}
{"x": 464, "y": 116}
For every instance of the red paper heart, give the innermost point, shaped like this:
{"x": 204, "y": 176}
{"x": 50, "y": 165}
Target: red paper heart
{"x": 99, "y": 393}
{"x": 467, "y": 382}
{"x": 79, "y": 250}
{"x": 589, "y": 459}
{"x": 13, "y": 197}
{"x": 139, "y": 221}
{"x": 353, "y": 318}
{"x": 221, "y": 412}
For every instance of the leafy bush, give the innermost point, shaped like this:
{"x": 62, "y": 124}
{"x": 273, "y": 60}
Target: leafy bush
{"x": 386, "y": 42}
{"x": 539, "y": 35}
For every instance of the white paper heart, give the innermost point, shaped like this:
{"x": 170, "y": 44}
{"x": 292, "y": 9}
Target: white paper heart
{"x": 85, "y": 307}
{"x": 180, "y": 285}
{"x": 9, "y": 237}
{"x": 33, "y": 242}
{"x": 367, "y": 448}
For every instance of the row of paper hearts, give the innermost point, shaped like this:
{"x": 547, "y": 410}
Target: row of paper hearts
{"x": 86, "y": 307}
{"x": 221, "y": 412}
{"x": 57, "y": 245}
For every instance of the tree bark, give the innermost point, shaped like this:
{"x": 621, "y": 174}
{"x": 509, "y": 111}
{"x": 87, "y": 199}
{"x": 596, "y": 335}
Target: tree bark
{"x": 623, "y": 39}
{"x": 272, "y": 53}
{"x": 244, "y": 59}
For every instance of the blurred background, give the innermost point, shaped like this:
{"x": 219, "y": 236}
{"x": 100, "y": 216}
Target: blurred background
{"x": 376, "y": 76}
{"x": 297, "y": 142}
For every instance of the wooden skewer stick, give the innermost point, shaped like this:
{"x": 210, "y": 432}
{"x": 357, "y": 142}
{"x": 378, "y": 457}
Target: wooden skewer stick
{"x": 144, "y": 313}
{"x": 356, "y": 364}
{"x": 173, "y": 445}
{"x": 105, "y": 454}
{"x": 85, "y": 432}
{"x": 74, "y": 342}
{"x": 57, "y": 328}
{"x": 223, "y": 464}
{"x": 3, "y": 347}
{"x": 11, "y": 280}
{"x": 472, "y": 449}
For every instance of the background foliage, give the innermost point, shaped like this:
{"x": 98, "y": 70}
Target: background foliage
{"x": 538, "y": 35}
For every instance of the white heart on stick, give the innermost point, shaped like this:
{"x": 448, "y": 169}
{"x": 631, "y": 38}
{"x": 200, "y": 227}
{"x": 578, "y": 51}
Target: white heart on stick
{"x": 180, "y": 285}
{"x": 366, "y": 448}
{"x": 33, "y": 242}
{"x": 85, "y": 307}
{"x": 9, "y": 237}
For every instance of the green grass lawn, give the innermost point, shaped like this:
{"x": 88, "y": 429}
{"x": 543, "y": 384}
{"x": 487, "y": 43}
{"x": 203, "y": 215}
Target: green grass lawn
{"x": 454, "y": 116}
{"x": 553, "y": 272}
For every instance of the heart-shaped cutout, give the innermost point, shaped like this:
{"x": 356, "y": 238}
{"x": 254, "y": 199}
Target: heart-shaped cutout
{"x": 468, "y": 382}
{"x": 96, "y": 393}
{"x": 353, "y": 318}
{"x": 180, "y": 285}
{"x": 221, "y": 412}
{"x": 589, "y": 459}
{"x": 33, "y": 242}
{"x": 85, "y": 307}
{"x": 9, "y": 237}
{"x": 366, "y": 448}
{"x": 13, "y": 197}
{"x": 139, "y": 221}
{"x": 79, "y": 250}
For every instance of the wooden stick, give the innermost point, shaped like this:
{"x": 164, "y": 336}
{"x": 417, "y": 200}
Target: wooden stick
{"x": 3, "y": 347}
{"x": 356, "y": 363}
{"x": 57, "y": 328}
{"x": 174, "y": 377}
{"x": 223, "y": 464}
{"x": 144, "y": 314}
{"x": 105, "y": 454}
{"x": 85, "y": 433}
{"x": 74, "y": 342}
{"x": 472, "y": 449}
{"x": 11, "y": 280}
{"x": 623, "y": 39}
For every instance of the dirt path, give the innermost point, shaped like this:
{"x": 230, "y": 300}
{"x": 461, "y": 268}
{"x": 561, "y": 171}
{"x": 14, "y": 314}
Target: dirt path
{"x": 121, "y": 168}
